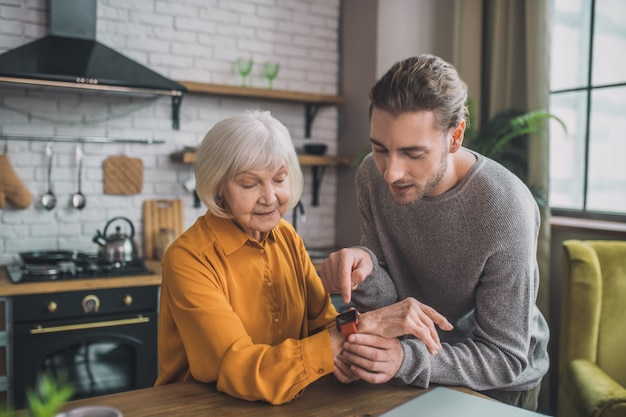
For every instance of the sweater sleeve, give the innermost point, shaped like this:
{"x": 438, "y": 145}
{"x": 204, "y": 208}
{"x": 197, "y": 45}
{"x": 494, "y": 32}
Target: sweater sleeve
{"x": 377, "y": 290}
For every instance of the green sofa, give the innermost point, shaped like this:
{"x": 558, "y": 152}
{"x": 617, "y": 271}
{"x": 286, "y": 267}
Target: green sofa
{"x": 592, "y": 342}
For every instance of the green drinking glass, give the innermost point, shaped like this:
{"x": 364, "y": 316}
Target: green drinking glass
{"x": 244, "y": 66}
{"x": 270, "y": 70}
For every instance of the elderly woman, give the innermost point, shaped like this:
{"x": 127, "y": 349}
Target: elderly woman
{"x": 241, "y": 303}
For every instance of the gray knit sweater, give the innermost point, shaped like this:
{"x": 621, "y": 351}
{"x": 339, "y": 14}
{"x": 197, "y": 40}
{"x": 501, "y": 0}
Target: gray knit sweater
{"x": 471, "y": 254}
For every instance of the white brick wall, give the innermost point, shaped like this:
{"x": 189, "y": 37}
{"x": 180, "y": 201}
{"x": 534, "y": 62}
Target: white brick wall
{"x": 194, "y": 40}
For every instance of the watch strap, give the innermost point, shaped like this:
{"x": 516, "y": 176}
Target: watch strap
{"x": 348, "y": 328}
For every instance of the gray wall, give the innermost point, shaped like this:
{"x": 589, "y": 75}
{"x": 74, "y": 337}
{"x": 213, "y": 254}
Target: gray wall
{"x": 357, "y": 73}
{"x": 374, "y": 35}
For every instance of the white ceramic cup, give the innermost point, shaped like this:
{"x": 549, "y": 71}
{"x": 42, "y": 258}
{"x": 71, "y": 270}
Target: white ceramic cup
{"x": 92, "y": 411}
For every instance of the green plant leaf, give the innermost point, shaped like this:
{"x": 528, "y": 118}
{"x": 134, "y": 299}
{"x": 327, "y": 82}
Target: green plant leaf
{"x": 507, "y": 126}
{"x": 50, "y": 394}
{"x": 495, "y": 137}
{"x": 358, "y": 158}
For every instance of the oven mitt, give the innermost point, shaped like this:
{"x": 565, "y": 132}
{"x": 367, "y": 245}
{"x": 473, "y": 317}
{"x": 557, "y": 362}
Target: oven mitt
{"x": 11, "y": 187}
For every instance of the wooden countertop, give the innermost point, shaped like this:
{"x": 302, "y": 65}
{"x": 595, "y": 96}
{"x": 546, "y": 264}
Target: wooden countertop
{"x": 324, "y": 398}
{"x": 8, "y": 288}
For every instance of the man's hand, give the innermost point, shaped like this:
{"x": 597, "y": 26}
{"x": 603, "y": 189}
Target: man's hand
{"x": 343, "y": 373}
{"x": 408, "y": 316}
{"x": 373, "y": 359}
{"x": 344, "y": 270}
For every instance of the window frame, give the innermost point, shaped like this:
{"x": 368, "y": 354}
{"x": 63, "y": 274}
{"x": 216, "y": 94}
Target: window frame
{"x": 588, "y": 88}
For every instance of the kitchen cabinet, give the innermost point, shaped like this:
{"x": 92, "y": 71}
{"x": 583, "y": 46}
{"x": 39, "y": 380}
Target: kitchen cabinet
{"x": 5, "y": 358}
{"x": 312, "y": 102}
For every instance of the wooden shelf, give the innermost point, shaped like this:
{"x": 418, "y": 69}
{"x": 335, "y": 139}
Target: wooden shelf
{"x": 188, "y": 157}
{"x": 311, "y": 101}
{"x": 320, "y": 160}
{"x": 263, "y": 93}
{"x": 183, "y": 157}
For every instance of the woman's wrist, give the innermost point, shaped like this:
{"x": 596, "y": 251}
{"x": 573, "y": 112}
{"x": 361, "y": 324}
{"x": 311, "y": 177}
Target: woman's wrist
{"x": 336, "y": 341}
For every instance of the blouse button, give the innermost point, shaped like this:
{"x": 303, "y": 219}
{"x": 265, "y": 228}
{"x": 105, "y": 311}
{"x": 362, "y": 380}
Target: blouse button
{"x": 269, "y": 283}
{"x": 261, "y": 251}
{"x": 276, "y": 320}
{"x": 320, "y": 371}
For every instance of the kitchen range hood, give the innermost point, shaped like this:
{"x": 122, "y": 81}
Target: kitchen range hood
{"x": 70, "y": 57}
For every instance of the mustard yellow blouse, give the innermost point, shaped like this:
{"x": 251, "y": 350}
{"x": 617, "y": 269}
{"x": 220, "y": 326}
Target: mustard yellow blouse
{"x": 248, "y": 315}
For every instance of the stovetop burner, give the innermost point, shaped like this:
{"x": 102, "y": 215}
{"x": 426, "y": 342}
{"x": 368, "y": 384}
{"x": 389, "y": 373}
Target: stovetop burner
{"x": 64, "y": 265}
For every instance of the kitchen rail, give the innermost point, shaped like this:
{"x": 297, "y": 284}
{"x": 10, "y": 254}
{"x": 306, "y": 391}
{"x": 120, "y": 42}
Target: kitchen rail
{"x": 93, "y": 139}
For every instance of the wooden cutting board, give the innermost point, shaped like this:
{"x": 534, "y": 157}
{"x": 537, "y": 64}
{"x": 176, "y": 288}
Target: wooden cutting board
{"x": 123, "y": 175}
{"x": 157, "y": 215}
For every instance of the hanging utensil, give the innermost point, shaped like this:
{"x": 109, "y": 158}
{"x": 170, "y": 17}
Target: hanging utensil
{"x": 78, "y": 199}
{"x": 49, "y": 200}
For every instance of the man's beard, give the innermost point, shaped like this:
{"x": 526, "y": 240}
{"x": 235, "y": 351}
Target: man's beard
{"x": 420, "y": 191}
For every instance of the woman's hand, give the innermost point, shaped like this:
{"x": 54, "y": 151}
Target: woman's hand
{"x": 343, "y": 371}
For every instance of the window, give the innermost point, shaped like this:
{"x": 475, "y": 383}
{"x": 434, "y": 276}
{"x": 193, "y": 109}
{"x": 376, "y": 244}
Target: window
{"x": 588, "y": 92}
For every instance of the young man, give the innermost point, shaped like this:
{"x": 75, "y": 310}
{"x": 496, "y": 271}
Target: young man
{"x": 450, "y": 228}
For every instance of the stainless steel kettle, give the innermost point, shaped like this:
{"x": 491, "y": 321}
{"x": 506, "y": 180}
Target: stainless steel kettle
{"x": 118, "y": 246}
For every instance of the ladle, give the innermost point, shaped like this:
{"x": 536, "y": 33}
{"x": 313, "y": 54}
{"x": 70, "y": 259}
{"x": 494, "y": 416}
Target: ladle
{"x": 49, "y": 200}
{"x": 78, "y": 199}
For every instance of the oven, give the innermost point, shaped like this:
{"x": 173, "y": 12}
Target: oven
{"x": 102, "y": 340}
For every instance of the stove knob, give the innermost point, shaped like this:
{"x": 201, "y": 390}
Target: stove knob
{"x": 91, "y": 304}
{"x": 128, "y": 300}
{"x": 52, "y": 306}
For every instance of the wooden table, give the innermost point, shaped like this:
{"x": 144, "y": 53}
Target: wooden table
{"x": 325, "y": 398}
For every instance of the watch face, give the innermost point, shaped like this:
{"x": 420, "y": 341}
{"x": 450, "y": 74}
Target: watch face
{"x": 347, "y": 317}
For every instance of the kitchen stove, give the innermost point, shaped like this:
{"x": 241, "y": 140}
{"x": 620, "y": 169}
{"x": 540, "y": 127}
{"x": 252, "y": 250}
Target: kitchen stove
{"x": 64, "y": 265}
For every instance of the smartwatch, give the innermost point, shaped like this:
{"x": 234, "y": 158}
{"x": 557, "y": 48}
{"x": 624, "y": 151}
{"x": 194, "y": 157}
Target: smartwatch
{"x": 347, "y": 322}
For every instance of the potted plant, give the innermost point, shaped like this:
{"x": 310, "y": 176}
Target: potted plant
{"x": 503, "y": 139}
{"x": 46, "y": 400}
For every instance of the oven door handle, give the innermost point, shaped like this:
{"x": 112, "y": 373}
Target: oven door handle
{"x": 111, "y": 323}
